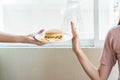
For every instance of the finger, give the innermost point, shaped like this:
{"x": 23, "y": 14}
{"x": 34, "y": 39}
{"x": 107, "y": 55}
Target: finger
{"x": 42, "y": 30}
{"x": 36, "y": 42}
{"x": 40, "y": 43}
{"x": 74, "y": 32}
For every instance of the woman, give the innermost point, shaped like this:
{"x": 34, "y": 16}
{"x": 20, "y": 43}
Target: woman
{"x": 20, "y": 38}
{"x": 111, "y": 53}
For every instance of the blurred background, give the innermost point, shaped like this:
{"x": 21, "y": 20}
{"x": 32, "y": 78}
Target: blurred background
{"x": 93, "y": 18}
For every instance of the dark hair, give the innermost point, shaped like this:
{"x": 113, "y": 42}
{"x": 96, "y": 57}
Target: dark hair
{"x": 119, "y": 22}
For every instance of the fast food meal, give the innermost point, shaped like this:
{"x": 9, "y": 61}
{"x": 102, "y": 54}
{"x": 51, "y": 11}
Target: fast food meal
{"x": 53, "y": 35}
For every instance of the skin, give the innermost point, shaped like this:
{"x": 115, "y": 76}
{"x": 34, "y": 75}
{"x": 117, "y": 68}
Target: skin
{"x": 100, "y": 73}
{"x": 21, "y": 38}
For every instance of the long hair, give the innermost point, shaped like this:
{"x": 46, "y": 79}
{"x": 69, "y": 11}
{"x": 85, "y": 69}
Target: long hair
{"x": 119, "y": 22}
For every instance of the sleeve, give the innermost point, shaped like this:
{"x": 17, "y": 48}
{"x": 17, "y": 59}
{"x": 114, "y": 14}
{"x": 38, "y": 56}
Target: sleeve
{"x": 108, "y": 54}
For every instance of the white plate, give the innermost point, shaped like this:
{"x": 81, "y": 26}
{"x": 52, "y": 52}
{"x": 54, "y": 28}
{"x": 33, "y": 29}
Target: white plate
{"x": 40, "y": 37}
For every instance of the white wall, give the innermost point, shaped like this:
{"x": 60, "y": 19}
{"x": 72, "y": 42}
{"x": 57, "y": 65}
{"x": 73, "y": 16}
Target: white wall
{"x": 45, "y": 64}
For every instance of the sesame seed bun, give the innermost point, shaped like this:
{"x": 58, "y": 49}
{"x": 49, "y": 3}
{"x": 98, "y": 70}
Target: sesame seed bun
{"x": 54, "y": 31}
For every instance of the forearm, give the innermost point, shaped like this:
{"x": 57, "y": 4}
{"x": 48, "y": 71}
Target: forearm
{"x": 89, "y": 68}
{"x": 11, "y": 38}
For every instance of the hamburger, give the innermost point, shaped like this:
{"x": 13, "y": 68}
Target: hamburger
{"x": 53, "y": 35}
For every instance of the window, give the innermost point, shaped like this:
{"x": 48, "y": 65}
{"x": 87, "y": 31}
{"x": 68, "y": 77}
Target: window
{"x": 92, "y": 17}
{"x": 28, "y": 16}
{"x": 1, "y": 18}
{"x": 108, "y": 16}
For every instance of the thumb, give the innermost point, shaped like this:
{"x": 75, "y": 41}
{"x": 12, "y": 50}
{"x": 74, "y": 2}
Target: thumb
{"x": 41, "y": 31}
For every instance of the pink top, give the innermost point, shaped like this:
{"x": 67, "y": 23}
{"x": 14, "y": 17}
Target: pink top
{"x": 111, "y": 50}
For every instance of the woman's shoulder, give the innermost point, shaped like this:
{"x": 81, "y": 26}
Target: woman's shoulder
{"x": 115, "y": 29}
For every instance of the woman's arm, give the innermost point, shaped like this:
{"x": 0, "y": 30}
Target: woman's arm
{"x": 101, "y": 73}
{"x": 11, "y": 38}
{"x": 20, "y": 38}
